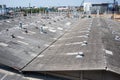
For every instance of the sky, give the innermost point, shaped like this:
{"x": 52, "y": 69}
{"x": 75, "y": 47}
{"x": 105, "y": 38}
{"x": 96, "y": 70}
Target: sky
{"x": 47, "y": 3}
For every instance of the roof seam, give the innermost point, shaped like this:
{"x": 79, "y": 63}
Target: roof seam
{"x": 43, "y": 50}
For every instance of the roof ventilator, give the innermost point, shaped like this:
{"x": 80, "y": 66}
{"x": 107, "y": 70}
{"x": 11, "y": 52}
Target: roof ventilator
{"x": 7, "y": 29}
{"x": 117, "y": 38}
{"x": 80, "y": 55}
{"x": 13, "y": 36}
{"x": 26, "y": 31}
{"x": 54, "y": 21}
{"x": 20, "y": 25}
{"x": 49, "y": 23}
{"x": 42, "y": 29}
{"x": 87, "y": 35}
{"x": 84, "y": 43}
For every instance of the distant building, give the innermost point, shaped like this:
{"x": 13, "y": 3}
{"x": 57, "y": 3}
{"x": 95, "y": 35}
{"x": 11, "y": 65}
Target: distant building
{"x": 3, "y": 9}
{"x": 63, "y": 8}
{"x": 101, "y": 7}
{"x": 87, "y": 7}
{"x": 104, "y": 7}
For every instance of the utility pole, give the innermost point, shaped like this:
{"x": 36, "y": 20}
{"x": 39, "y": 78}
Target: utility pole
{"x": 114, "y": 8}
{"x": 1, "y": 9}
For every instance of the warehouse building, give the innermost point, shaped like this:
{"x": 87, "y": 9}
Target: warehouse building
{"x": 66, "y": 48}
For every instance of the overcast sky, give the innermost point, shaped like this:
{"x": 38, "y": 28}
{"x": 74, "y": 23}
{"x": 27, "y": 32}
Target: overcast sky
{"x": 40, "y": 3}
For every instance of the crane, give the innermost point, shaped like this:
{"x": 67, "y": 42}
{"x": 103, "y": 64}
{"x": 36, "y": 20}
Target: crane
{"x": 82, "y": 2}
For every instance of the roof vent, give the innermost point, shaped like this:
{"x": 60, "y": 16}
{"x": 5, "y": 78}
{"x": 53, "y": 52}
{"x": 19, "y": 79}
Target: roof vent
{"x": 80, "y": 55}
{"x": 13, "y": 20}
{"x": 89, "y": 29}
{"x": 26, "y": 31}
{"x": 36, "y": 27}
{"x": 49, "y": 23}
{"x": 117, "y": 38}
{"x": 87, "y": 35}
{"x": 84, "y": 43}
{"x": 20, "y": 24}
{"x": 5, "y": 21}
{"x": 38, "y": 46}
{"x": 43, "y": 25}
{"x": 113, "y": 32}
{"x": 54, "y": 21}
{"x": 7, "y": 29}
{"x": 13, "y": 36}
{"x": 42, "y": 30}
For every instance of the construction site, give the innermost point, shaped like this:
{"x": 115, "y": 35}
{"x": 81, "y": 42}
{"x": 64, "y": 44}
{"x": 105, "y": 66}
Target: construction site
{"x": 61, "y": 45}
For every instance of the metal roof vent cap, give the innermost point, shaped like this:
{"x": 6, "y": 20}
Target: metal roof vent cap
{"x": 26, "y": 31}
{"x": 58, "y": 20}
{"x": 20, "y": 24}
{"x": 117, "y": 38}
{"x": 5, "y": 21}
{"x": 84, "y": 43}
{"x": 7, "y": 29}
{"x": 42, "y": 30}
{"x": 87, "y": 35}
{"x": 13, "y": 36}
{"x": 54, "y": 21}
{"x": 49, "y": 23}
{"x": 43, "y": 25}
{"x": 36, "y": 28}
{"x": 89, "y": 29}
{"x": 80, "y": 55}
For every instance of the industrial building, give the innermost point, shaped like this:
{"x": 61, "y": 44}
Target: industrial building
{"x": 54, "y": 46}
{"x": 59, "y": 48}
{"x": 103, "y": 8}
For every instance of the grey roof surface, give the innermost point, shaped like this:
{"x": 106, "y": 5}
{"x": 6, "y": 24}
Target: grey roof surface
{"x": 7, "y": 73}
{"x": 19, "y": 51}
{"x": 10, "y": 74}
{"x": 100, "y": 53}
{"x": 87, "y": 44}
{"x": 111, "y": 40}
{"x": 62, "y": 55}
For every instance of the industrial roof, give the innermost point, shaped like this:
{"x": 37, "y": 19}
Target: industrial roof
{"x": 18, "y": 47}
{"x": 59, "y": 43}
{"x": 93, "y": 38}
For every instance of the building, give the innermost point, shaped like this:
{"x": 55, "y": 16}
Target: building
{"x": 87, "y": 7}
{"x": 85, "y": 49}
{"x": 63, "y": 8}
{"x": 105, "y": 8}
{"x": 3, "y": 9}
{"x": 101, "y": 7}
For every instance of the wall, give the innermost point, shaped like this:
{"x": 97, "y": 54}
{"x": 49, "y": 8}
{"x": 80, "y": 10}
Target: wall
{"x": 86, "y": 75}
